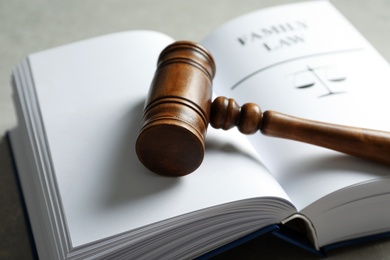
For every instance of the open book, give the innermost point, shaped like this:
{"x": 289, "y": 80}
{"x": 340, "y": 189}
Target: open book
{"x": 79, "y": 113}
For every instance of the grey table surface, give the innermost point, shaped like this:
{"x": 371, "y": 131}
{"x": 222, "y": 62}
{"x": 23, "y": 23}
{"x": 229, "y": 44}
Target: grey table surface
{"x": 30, "y": 26}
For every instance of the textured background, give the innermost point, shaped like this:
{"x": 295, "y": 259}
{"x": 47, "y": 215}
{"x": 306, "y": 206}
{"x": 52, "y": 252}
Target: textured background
{"x": 30, "y": 26}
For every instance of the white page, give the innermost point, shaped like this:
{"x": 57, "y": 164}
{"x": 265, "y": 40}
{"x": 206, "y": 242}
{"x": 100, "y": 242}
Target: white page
{"x": 337, "y": 221}
{"x": 263, "y": 57}
{"x": 91, "y": 98}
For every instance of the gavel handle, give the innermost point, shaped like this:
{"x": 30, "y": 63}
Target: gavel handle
{"x": 360, "y": 142}
{"x": 364, "y": 143}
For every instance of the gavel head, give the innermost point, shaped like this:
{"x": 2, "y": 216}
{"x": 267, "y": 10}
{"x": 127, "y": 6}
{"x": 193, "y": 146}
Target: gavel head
{"x": 177, "y": 110}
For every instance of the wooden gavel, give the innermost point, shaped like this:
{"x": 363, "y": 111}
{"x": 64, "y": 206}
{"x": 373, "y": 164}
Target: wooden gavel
{"x": 178, "y": 110}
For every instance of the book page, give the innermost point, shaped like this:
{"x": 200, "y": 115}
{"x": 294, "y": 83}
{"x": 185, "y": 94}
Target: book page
{"x": 305, "y": 60}
{"x": 338, "y": 219}
{"x": 91, "y": 97}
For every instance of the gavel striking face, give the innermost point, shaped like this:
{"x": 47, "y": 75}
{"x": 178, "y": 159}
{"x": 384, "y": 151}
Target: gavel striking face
{"x": 178, "y": 110}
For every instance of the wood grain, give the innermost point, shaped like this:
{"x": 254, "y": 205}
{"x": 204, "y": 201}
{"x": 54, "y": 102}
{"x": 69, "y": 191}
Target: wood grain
{"x": 178, "y": 110}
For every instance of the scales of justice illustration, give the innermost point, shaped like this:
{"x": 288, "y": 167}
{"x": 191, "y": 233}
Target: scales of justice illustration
{"x": 329, "y": 78}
